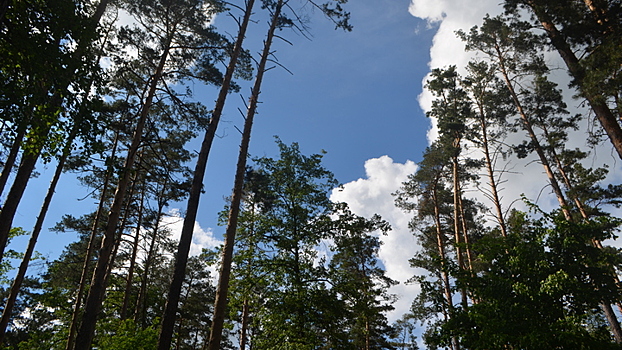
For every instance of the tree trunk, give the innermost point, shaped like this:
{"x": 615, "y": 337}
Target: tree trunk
{"x": 23, "y": 267}
{"x": 227, "y": 256}
{"x": 97, "y": 289}
{"x": 534, "y": 138}
{"x": 444, "y": 273}
{"x": 141, "y": 300}
{"x": 29, "y": 159}
{"x": 90, "y": 248}
{"x": 27, "y": 165}
{"x": 456, "y": 219}
{"x": 494, "y": 192}
{"x": 130, "y": 271}
{"x": 181, "y": 258}
{"x": 244, "y": 326}
{"x": 12, "y": 156}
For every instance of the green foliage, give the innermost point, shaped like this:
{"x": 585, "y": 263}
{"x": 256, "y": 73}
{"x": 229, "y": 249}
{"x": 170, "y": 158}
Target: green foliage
{"x": 128, "y": 336}
{"x": 306, "y": 268}
{"x": 540, "y": 288}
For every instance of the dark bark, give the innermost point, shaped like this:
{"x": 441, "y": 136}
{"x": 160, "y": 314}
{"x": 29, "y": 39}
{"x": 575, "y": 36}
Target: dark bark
{"x": 26, "y": 167}
{"x": 130, "y": 271}
{"x": 181, "y": 258}
{"x": 139, "y": 311}
{"x": 244, "y": 326}
{"x": 29, "y": 159}
{"x": 614, "y": 324}
{"x": 222, "y": 290}
{"x": 23, "y": 267}
{"x": 12, "y": 156}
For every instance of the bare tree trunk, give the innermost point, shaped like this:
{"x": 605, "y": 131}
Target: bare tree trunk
{"x": 141, "y": 300}
{"x": 492, "y": 182}
{"x": 534, "y": 139}
{"x": 181, "y": 259}
{"x": 227, "y": 256}
{"x": 244, "y": 326}
{"x": 456, "y": 219}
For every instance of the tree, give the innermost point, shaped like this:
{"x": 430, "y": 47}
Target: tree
{"x": 170, "y": 43}
{"x": 592, "y": 28}
{"x": 357, "y": 278}
{"x": 540, "y": 288}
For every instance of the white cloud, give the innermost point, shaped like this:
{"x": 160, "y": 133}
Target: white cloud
{"x": 372, "y": 195}
{"x": 201, "y": 238}
{"x": 447, "y": 49}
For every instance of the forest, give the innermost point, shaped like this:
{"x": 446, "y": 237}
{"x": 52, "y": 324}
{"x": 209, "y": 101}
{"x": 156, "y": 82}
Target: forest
{"x": 103, "y": 90}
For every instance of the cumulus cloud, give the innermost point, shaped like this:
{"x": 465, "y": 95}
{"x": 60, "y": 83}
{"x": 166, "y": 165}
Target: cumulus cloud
{"x": 447, "y": 49}
{"x": 201, "y": 237}
{"x": 372, "y": 195}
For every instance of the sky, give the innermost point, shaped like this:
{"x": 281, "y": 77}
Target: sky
{"x": 357, "y": 95}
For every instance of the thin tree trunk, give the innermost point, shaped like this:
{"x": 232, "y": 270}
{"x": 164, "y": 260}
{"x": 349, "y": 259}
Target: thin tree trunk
{"x": 130, "y": 271}
{"x": 125, "y": 220}
{"x": 90, "y": 248}
{"x": 29, "y": 159}
{"x": 580, "y": 205}
{"x": 465, "y": 235}
{"x": 227, "y": 256}
{"x": 534, "y": 138}
{"x": 97, "y": 289}
{"x": 244, "y": 326}
{"x": 491, "y": 174}
{"x": 181, "y": 258}
{"x": 444, "y": 273}
{"x": 23, "y": 267}
{"x": 141, "y": 300}
{"x": 457, "y": 232}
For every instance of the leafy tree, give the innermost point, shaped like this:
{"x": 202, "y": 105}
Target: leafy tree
{"x": 357, "y": 278}
{"x": 541, "y": 288}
